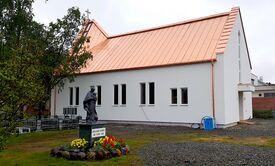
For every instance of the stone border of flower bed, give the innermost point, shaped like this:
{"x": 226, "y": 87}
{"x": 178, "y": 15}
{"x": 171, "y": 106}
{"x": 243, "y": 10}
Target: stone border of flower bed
{"x": 79, "y": 149}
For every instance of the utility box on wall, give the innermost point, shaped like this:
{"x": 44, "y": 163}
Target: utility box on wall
{"x": 208, "y": 123}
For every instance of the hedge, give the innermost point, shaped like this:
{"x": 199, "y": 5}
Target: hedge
{"x": 263, "y": 114}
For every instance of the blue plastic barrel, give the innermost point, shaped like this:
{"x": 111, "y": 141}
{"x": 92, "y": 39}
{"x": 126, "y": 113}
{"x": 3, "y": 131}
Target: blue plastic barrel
{"x": 208, "y": 123}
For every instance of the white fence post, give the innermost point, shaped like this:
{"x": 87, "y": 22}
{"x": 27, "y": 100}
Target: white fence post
{"x": 60, "y": 124}
{"x": 38, "y": 126}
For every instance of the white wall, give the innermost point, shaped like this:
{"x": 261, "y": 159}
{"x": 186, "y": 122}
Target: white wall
{"x": 248, "y": 111}
{"x": 231, "y": 76}
{"x": 197, "y": 77}
{"x": 258, "y": 94}
{"x": 219, "y": 90}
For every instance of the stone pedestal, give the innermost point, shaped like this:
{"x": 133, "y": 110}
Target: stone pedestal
{"x": 92, "y": 131}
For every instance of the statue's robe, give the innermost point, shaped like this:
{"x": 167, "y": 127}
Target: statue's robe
{"x": 89, "y": 106}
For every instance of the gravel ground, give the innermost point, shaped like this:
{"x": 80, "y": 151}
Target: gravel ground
{"x": 194, "y": 153}
{"x": 261, "y": 128}
{"x": 132, "y": 129}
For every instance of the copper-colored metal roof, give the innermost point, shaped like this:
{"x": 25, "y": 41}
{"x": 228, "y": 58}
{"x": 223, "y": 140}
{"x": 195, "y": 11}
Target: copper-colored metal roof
{"x": 193, "y": 41}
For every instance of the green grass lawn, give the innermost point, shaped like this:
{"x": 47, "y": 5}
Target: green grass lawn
{"x": 33, "y": 148}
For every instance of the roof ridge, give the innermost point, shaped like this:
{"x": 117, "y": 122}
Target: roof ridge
{"x": 172, "y": 24}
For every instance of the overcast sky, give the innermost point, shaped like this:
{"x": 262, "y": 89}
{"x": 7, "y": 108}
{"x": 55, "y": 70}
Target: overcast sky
{"x": 119, "y": 16}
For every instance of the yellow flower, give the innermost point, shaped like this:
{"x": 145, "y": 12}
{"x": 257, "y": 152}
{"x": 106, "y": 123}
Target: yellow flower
{"x": 79, "y": 143}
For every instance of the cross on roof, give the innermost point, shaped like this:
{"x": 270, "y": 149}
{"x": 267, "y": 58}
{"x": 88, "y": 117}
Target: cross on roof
{"x": 88, "y": 12}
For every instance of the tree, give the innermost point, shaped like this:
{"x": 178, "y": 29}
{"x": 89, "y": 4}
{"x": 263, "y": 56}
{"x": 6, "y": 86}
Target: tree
{"x": 34, "y": 58}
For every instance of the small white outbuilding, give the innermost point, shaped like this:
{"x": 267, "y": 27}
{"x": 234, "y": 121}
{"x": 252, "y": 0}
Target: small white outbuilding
{"x": 177, "y": 73}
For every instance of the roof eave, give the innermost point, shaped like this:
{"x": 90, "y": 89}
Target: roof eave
{"x": 148, "y": 67}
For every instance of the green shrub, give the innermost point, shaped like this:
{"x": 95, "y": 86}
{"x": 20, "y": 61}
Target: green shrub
{"x": 263, "y": 114}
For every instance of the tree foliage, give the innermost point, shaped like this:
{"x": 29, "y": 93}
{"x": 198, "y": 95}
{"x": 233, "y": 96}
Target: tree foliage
{"x": 34, "y": 58}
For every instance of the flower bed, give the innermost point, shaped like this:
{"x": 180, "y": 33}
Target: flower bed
{"x": 104, "y": 148}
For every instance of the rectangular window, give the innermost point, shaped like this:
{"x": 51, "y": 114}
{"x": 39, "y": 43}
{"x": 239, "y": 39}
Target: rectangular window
{"x": 184, "y": 96}
{"x": 142, "y": 93}
{"x": 98, "y": 95}
{"x": 174, "y": 98}
{"x": 71, "y": 96}
{"x": 76, "y": 95}
{"x": 123, "y": 94}
{"x": 151, "y": 93}
{"x": 115, "y": 94}
{"x": 269, "y": 94}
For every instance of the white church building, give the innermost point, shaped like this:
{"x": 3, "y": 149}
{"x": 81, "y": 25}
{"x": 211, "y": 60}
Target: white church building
{"x": 172, "y": 74}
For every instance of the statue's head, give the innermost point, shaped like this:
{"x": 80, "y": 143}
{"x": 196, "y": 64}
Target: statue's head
{"x": 92, "y": 88}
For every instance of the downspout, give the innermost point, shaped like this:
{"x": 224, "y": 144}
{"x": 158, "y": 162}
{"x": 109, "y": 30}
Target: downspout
{"x": 213, "y": 90}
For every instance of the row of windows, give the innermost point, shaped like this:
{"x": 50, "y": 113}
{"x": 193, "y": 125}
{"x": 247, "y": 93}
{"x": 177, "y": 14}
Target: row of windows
{"x": 143, "y": 94}
{"x": 268, "y": 94}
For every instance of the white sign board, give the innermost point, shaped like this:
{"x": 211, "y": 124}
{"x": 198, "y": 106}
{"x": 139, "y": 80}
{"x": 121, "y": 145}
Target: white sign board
{"x": 98, "y": 132}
